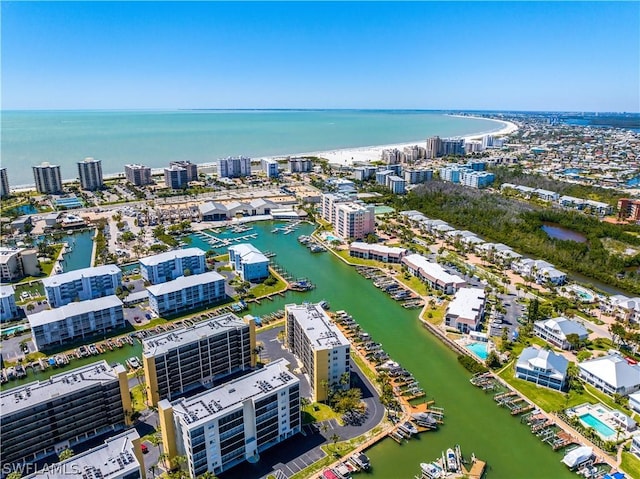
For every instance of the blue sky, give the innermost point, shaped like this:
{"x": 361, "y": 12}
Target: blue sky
{"x": 454, "y": 55}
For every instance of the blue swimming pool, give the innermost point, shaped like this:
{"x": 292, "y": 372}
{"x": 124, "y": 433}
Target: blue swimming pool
{"x": 479, "y": 349}
{"x": 331, "y": 238}
{"x": 602, "y": 429}
{"x": 13, "y": 329}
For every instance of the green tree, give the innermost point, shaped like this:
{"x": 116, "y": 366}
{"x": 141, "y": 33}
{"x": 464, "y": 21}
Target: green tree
{"x": 493, "y": 361}
{"x": 66, "y": 454}
{"x": 574, "y": 341}
{"x": 334, "y": 439}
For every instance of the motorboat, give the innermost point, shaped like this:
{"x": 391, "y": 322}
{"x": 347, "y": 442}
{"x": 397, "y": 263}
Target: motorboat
{"x": 452, "y": 461}
{"x": 408, "y": 427}
{"x": 133, "y": 362}
{"x": 431, "y": 470}
{"x": 577, "y": 456}
{"x": 93, "y": 350}
{"x": 362, "y": 461}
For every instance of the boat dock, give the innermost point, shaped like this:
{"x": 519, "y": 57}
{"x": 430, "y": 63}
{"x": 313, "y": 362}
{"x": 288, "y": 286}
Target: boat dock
{"x": 485, "y": 381}
{"x": 453, "y": 465}
{"x": 216, "y": 242}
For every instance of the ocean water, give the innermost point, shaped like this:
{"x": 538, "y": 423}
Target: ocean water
{"x": 155, "y": 138}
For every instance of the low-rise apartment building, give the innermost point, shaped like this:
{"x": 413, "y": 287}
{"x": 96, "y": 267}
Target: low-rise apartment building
{"x": 611, "y": 374}
{"x": 186, "y": 293}
{"x": 170, "y": 265}
{"x": 82, "y": 284}
{"x": 249, "y": 262}
{"x": 42, "y": 418}
{"x": 320, "y": 346}
{"x": 555, "y": 331}
{"x": 189, "y": 357}
{"x": 466, "y": 310}
{"x": 235, "y": 422}
{"x": 378, "y": 252}
{"x": 58, "y": 326}
{"x": 433, "y": 274}
{"x": 16, "y": 263}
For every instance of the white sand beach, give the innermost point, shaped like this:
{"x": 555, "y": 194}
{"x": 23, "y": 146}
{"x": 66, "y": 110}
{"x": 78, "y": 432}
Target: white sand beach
{"x": 349, "y": 156}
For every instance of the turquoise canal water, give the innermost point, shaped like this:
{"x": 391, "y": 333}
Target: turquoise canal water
{"x": 81, "y": 247}
{"x": 472, "y": 418}
{"x": 155, "y": 138}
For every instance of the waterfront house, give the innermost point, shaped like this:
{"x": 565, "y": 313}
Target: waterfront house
{"x": 378, "y": 252}
{"x": 623, "y": 308}
{"x": 248, "y": 262}
{"x": 466, "y": 310}
{"x": 433, "y": 274}
{"x": 635, "y": 445}
{"x": 612, "y": 374}
{"x": 555, "y": 331}
{"x": 542, "y": 367}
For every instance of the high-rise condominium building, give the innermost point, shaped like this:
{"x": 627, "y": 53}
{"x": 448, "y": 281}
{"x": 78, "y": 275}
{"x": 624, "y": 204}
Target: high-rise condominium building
{"x": 187, "y": 358}
{"x": 192, "y": 169}
{"x": 138, "y": 175}
{"x": 4, "y": 183}
{"x": 229, "y": 424}
{"x": 90, "y": 174}
{"x": 176, "y": 177}
{"x": 47, "y": 178}
{"x": 234, "y": 167}
{"x": 42, "y": 418}
{"x": 323, "y": 350}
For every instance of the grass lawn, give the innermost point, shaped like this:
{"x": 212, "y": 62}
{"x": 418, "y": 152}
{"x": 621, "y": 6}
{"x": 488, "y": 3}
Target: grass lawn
{"x": 414, "y": 283}
{"x": 550, "y": 400}
{"x": 364, "y": 368}
{"x": 318, "y": 412}
{"x": 263, "y": 289}
{"x": 343, "y": 253}
{"x": 152, "y": 324}
{"x": 138, "y": 397}
{"x": 437, "y": 314}
{"x": 630, "y": 464}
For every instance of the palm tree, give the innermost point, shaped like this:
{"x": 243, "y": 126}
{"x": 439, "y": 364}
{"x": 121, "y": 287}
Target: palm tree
{"x": 334, "y": 439}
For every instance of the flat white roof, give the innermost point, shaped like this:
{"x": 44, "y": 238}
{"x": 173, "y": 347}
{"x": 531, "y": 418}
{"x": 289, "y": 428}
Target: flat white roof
{"x": 433, "y": 270}
{"x": 58, "y": 279}
{"x": 6, "y": 290}
{"x": 114, "y": 458}
{"x": 184, "y": 282}
{"x": 466, "y": 303}
{"x": 170, "y": 256}
{"x": 29, "y": 395}
{"x": 164, "y": 342}
{"x": 218, "y": 401}
{"x": 380, "y": 248}
{"x": 73, "y": 309}
{"x": 317, "y": 326}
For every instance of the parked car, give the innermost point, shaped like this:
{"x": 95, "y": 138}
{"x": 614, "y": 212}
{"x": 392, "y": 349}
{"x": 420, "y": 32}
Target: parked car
{"x": 144, "y": 448}
{"x": 137, "y": 319}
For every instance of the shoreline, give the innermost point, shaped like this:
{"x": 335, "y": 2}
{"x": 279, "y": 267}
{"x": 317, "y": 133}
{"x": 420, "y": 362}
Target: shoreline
{"x": 336, "y": 156}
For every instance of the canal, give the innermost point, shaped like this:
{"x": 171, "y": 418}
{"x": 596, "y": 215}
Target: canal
{"x": 472, "y": 418}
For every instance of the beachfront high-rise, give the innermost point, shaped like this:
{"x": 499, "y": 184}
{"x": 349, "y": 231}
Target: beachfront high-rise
{"x": 4, "y": 183}
{"x": 433, "y": 147}
{"x": 300, "y": 165}
{"x": 234, "y": 167}
{"x": 188, "y": 358}
{"x": 47, "y": 178}
{"x": 42, "y": 418}
{"x": 170, "y": 265}
{"x": 138, "y": 175}
{"x": 176, "y": 177}
{"x": 270, "y": 167}
{"x": 191, "y": 168}
{"x": 317, "y": 342}
{"x": 82, "y": 284}
{"x": 229, "y": 424}
{"x": 90, "y": 174}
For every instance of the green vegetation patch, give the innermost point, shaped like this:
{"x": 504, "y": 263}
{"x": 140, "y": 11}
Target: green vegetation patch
{"x": 318, "y": 412}
{"x": 630, "y": 464}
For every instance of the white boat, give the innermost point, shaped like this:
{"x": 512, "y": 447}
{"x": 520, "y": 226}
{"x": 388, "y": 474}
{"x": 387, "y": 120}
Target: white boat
{"x": 133, "y": 362}
{"x": 577, "y": 456}
{"x": 431, "y": 470}
{"x": 452, "y": 462}
{"x": 408, "y": 427}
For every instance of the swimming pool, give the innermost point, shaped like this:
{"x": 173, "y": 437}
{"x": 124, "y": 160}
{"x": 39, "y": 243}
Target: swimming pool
{"x": 13, "y": 329}
{"x": 479, "y": 349}
{"x": 330, "y": 238}
{"x": 583, "y": 294}
{"x": 602, "y": 429}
